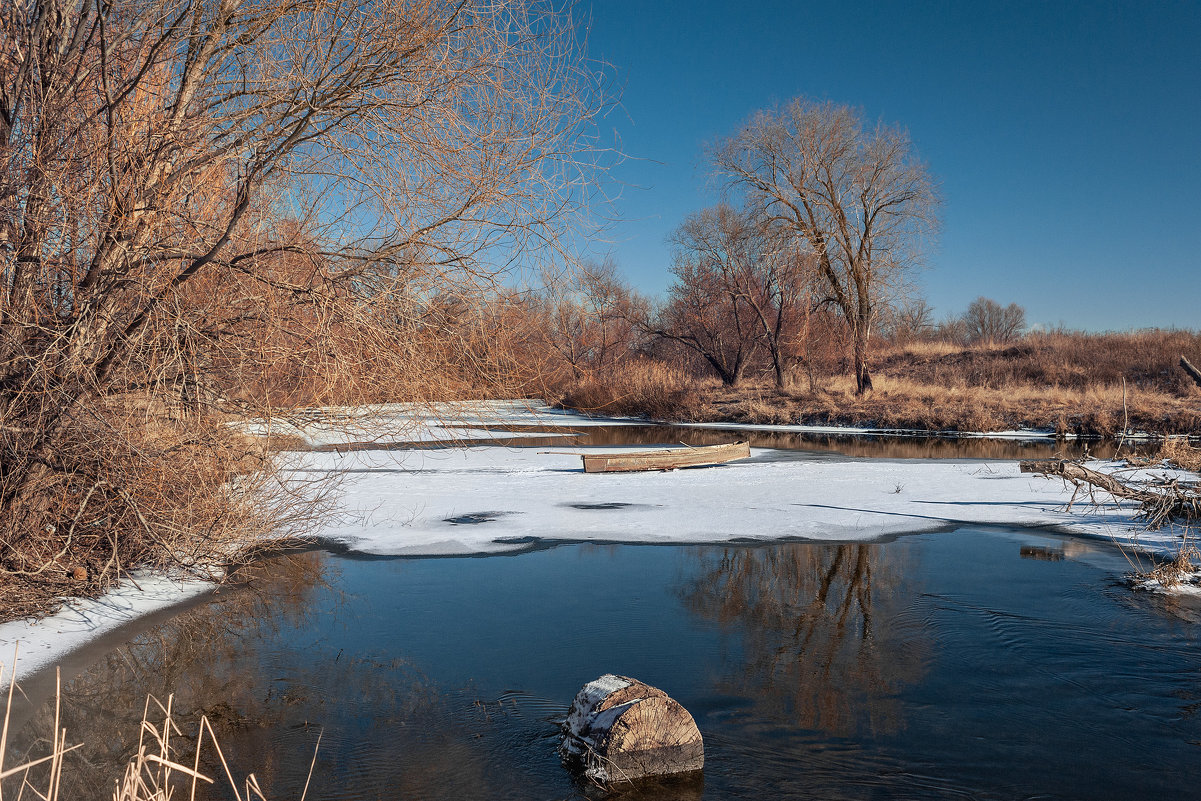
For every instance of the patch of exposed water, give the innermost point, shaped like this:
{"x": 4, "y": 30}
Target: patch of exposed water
{"x": 790, "y": 444}
{"x": 983, "y": 663}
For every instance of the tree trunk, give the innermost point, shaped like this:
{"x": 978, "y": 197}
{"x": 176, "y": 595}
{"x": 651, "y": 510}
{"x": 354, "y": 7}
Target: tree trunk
{"x": 777, "y": 363}
{"x": 729, "y": 376}
{"x": 863, "y": 378}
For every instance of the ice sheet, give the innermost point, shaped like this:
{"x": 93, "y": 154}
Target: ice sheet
{"x": 482, "y": 500}
{"x": 442, "y": 422}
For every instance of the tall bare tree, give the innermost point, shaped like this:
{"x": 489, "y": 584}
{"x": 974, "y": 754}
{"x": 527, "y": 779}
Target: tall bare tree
{"x": 857, "y": 199}
{"x": 211, "y": 191}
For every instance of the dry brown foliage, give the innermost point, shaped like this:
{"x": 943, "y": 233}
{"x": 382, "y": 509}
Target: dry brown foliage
{"x": 642, "y": 387}
{"x": 1147, "y": 360}
{"x": 1177, "y": 452}
{"x": 213, "y": 210}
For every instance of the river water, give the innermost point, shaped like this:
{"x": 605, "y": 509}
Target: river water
{"x": 803, "y": 444}
{"x": 976, "y": 663}
{"x": 993, "y": 663}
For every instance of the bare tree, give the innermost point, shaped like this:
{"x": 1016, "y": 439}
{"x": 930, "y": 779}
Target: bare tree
{"x": 988, "y": 321}
{"x": 756, "y": 271}
{"x": 707, "y": 309}
{"x": 858, "y": 200}
{"x": 785, "y": 296}
{"x": 592, "y": 317}
{"x": 912, "y": 319}
{"x": 220, "y": 195}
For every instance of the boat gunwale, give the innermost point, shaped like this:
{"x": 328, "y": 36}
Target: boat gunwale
{"x": 707, "y": 455}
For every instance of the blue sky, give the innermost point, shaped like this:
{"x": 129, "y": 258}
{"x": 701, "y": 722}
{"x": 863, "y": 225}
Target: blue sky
{"x": 1066, "y": 137}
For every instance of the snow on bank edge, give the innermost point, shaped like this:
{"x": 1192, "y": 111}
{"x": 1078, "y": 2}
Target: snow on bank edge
{"x": 41, "y": 643}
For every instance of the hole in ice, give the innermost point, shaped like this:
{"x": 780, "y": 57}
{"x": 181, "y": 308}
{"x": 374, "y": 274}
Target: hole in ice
{"x": 472, "y": 518}
{"x": 608, "y": 505}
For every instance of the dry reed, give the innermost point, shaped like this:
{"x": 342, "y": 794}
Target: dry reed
{"x": 155, "y": 772}
{"x": 1177, "y": 452}
{"x": 642, "y": 387}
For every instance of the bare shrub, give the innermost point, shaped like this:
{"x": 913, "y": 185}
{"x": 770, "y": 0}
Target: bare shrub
{"x": 588, "y": 321}
{"x": 643, "y": 387}
{"x": 1177, "y": 452}
{"x": 912, "y": 320}
{"x": 988, "y": 321}
{"x": 213, "y": 210}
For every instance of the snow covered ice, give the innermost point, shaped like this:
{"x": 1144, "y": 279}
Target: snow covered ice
{"x": 490, "y": 499}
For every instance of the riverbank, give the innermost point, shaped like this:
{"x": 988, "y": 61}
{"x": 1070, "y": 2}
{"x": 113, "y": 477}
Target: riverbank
{"x": 896, "y": 404}
{"x": 1083, "y": 385}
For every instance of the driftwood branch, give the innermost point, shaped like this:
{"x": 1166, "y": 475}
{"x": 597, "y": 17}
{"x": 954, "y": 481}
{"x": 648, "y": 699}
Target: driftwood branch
{"x": 1160, "y": 502}
{"x": 1192, "y": 371}
{"x": 1079, "y": 474}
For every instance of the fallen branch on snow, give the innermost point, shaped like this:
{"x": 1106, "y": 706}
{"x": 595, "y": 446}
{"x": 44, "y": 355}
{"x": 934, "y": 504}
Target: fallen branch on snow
{"x": 1161, "y": 499}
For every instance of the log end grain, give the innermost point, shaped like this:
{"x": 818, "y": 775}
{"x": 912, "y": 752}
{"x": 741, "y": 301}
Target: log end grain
{"x": 622, "y": 729}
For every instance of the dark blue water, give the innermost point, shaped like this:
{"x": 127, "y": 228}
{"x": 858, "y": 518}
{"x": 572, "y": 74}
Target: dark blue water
{"x": 969, "y": 664}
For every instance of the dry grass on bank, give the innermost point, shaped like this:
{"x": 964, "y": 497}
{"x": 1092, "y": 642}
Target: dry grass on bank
{"x": 1179, "y": 453}
{"x": 1146, "y": 360}
{"x": 898, "y": 403}
{"x": 1069, "y": 383}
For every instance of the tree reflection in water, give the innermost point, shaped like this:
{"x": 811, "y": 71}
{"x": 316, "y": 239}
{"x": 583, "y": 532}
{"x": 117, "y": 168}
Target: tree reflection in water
{"x": 826, "y": 642}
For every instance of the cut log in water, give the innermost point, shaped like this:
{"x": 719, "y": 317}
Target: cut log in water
{"x": 621, "y": 729}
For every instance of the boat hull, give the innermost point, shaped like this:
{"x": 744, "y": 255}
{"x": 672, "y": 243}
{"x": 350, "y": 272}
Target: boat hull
{"x": 666, "y": 458}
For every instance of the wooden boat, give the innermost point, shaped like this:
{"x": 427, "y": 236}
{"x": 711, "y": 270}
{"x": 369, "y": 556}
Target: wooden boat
{"x": 666, "y": 458}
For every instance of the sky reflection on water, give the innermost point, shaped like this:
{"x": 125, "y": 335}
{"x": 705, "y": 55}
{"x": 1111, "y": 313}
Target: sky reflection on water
{"x": 935, "y": 666}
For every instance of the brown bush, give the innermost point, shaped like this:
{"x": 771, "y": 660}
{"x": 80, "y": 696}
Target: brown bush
{"x": 182, "y": 242}
{"x": 641, "y": 388}
{"x": 1177, "y": 451}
